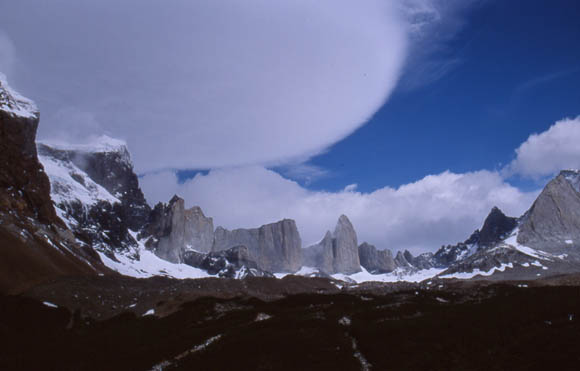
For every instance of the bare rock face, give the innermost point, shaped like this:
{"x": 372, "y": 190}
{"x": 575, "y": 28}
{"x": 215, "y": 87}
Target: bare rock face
{"x": 173, "y": 230}
{"x": 321, "y": 255}
{"x": 275, "y": 247}
{"x": 552, "y": 224}
{"x": 401, "y": 261}
{"x": 337, "y": 252}
{"x": 376, "y": 261}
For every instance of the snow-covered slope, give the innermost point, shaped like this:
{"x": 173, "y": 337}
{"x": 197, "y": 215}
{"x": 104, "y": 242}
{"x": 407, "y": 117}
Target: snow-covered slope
{"x": 69, "y": 183}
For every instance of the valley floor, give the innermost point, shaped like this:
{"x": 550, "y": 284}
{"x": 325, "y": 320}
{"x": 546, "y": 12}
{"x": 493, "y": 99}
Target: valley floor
{"x": 294, "y": 323}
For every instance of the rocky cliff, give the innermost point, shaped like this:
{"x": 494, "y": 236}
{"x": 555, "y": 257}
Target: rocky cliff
{"x": 172, "y": 230}
{"x": 275, "y": 247}
{"x": 96, "y": 192}
{"x": 34, "y": 243}
{"x": 552, "y": 223}
{"x": 337, "y": 252}
{"x": 376, "y": 261}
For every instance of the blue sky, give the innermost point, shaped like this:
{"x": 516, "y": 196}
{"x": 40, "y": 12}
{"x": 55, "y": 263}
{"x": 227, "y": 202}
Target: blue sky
{"x": 516, "y": 72}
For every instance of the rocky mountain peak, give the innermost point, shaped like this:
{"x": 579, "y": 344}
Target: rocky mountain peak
{"x": 496, "y": 226}
{"x": 337, "y": 252}
{"x": 552, "y": 224}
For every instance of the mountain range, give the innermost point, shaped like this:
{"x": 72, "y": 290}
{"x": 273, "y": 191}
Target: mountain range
{"x": 78, "y": 209}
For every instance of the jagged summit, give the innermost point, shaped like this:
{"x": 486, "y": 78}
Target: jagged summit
{"x": 15, "y": 104}
{"x": 337, "y": 252}
{"x": 553, "y": 222}
{"x": 495, "y": 227}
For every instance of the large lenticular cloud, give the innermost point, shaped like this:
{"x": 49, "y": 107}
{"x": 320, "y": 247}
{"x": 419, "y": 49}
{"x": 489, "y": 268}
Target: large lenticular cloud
{"x": 208, "y": 83}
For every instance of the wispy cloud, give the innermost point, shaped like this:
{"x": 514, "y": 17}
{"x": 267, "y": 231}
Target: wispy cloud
{"x": 303, "y": 172}
{"x": 538, "y": 81}
{"x": 7, "y": 54}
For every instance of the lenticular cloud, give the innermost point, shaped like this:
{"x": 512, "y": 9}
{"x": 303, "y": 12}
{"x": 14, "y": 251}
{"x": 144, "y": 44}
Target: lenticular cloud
{"x": 211, "y": 83}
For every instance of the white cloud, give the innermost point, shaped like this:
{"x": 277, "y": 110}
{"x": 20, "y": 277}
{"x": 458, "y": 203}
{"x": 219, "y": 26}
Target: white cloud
{"x": 548, "y": 152}
{"x": 421, "y": 216}
{"x": 210, "y": 83}
{"x": 217, "y": 83}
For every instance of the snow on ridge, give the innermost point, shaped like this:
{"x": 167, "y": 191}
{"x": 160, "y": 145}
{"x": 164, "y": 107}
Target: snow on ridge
{"x": 15, "y": 104}
{"x": 477, "y": 272}
{"x": 69, "y": 183}
{"x": 149, "y": 265}
{"x": 95, "y": 144}
{"x": 398, "y": 275}
{"x": 512, "y": 241}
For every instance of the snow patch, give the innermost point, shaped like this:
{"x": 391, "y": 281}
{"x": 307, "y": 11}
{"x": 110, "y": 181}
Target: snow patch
{"x": 150, "y": 312}
{"x": 398, "y": 275}
{"x": 513, "y": 242}
{"x": 49, "y": 304}
{"x": 69, "y": 183}
{"x": 262, "y": 317}
{"x": 149, "y": 265}
{"x": 477, "y": 272}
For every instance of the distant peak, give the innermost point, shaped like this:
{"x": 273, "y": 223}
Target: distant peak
{"x": 14, "y": 103}
{"x": 175, "y": 199}
{"x": 496, "y": 210}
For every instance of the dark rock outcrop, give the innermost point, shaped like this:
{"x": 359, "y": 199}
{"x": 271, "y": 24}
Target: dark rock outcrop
{"x": 275, "y": 247}
{"x": 337, "y": 252}
{"x": 496, "y": 227}
{"x": 172, "y": 230}
{"x": 231, "y": 263}
{"x": 34, "y": 243}
{"x": 376, "y": 261}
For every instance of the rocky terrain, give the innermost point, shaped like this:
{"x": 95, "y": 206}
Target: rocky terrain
{"x": 444, "y": 326}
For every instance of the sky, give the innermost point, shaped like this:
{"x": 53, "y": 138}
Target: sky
{"x": 412, "y": 117}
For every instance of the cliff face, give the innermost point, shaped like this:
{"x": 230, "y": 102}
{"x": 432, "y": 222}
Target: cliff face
{"x": 552, "y": 223}
{"x": 275, "y": 247}
{"x": 35, "y": 244}
{"x": 337, "y": 252}
{"x": 173, "y": 230}
{"x": 96, "y": 192}
{"x": 376, "y": 261}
